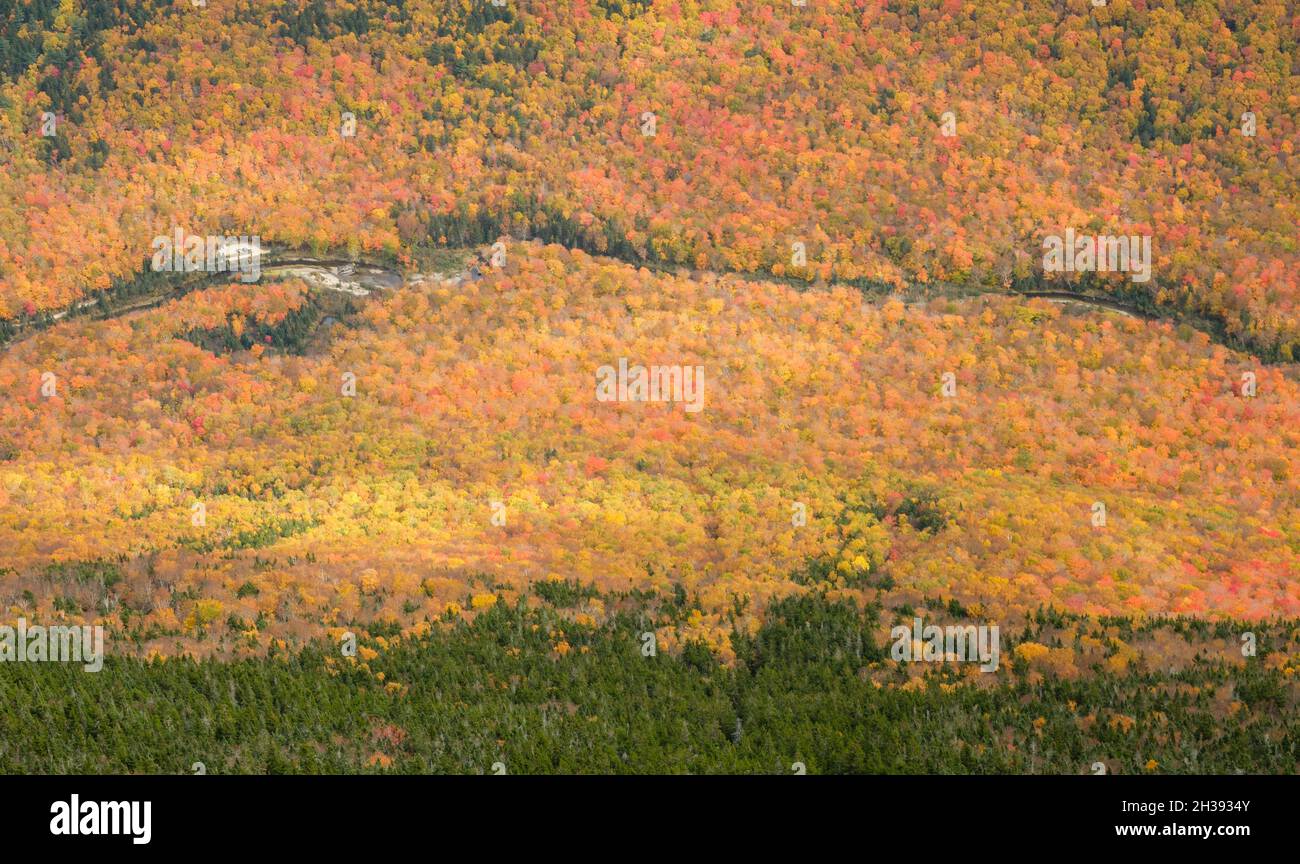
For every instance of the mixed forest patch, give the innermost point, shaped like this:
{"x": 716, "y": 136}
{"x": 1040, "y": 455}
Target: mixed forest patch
{"x": 535, "y": 688}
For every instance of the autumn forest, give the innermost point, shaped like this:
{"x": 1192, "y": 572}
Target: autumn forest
{"x": 637, "y": 386}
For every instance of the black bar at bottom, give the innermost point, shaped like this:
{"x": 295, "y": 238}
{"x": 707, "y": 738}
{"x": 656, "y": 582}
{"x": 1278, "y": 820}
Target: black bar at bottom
{"x": 334, "y": 815}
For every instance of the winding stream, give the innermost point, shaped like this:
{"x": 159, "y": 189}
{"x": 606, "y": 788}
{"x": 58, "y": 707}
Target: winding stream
{"x": 361, "y": 278}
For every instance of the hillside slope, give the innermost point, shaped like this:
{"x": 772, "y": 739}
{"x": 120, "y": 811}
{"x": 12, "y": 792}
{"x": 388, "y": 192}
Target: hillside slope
{"x": 453, "y": 434}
